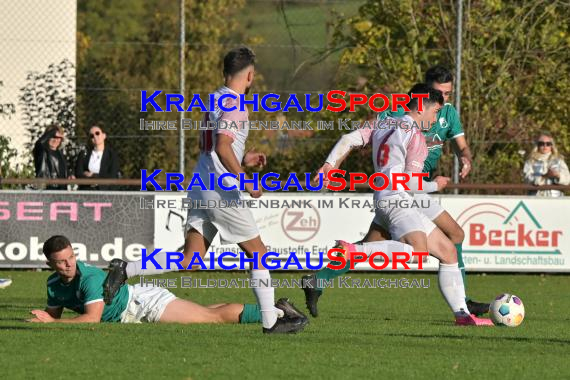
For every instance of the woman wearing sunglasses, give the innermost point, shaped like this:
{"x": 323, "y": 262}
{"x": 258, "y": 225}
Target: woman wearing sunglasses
{"x": 545, "y": 166}
{"x": 99, "y": 160}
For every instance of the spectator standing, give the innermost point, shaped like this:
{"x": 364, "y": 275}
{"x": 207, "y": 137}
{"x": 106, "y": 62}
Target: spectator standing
{"x": 98, "y": 160}
{"x": 49, "y": 160}
{"x": 545, "y": 166}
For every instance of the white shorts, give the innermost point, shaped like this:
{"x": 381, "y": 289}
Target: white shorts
{"x": 235, "y": 224}
{"x": 433, "y": 211}
{"x": 400, "y": 221}
{"x": 146, "y": 304}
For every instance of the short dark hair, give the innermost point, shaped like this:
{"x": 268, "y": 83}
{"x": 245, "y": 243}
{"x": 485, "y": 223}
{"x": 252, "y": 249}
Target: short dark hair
{"x": 238, "y": 59}
{"x": 434, "y": 96}
{"x": 438, "y": 74}
{"x": 55, "y": 244}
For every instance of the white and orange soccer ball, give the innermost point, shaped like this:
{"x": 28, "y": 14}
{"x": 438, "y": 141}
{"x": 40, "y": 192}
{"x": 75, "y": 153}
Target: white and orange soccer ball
{"x": 507, "y": 310}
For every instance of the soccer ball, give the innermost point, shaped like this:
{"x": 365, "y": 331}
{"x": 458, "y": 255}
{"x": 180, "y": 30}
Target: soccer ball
{"x": 507, "y": 310}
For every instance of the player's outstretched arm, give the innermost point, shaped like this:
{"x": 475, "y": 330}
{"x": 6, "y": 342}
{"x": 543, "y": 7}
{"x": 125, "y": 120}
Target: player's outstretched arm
{"x": 341, "y": 150}
{"x": 93, "y": 313}
{"x": 48, "y": 314}
{"x": 325, "y": 171}
{"x": 426, "y": 186}
{"x": 462, "y": 152}
{"x": 439, "y": 183}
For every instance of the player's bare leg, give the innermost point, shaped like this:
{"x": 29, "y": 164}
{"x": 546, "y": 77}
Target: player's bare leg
{"x": 184, "y": 311}
{"x": 195, "y": 242}
{"x": 416, "y": 239}
{"x": 265, "y": 293}
{"x": 377, "y": 233}
{"x": 217, "y": 305}
{"x": 450, "y": 227}
{"x": 254, "y": 245}
{"x": 456, "y": 234}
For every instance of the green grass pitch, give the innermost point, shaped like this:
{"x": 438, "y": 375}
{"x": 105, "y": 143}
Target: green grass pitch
{"x": 361, "y": 333}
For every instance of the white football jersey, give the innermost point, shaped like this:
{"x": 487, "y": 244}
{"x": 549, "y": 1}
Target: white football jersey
{"x": 397, "y": 147}
{"x": 209, "y": 162}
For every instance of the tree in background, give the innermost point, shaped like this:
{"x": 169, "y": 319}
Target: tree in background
{"x": 7, "y": 153}
{"x": 49, "y": 98}
{"x": 125, "y": 48}
{"x": 516, "y": 64}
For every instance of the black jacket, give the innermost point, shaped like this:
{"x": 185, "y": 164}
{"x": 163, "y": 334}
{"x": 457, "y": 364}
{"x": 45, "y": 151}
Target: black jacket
{"x": 49, "y": 163}
{"x": 109, "y": 166}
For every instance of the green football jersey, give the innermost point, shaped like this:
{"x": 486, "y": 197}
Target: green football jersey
{"x": 446, "y": 128}
{"x": 85, "y": 288}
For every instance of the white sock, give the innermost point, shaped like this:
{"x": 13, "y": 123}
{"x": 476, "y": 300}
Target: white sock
{"x": 386, "y": 246}
{"x": 265, "y": 295}
{"x": 134, "y": 268}
{"x": 452, "y": 288}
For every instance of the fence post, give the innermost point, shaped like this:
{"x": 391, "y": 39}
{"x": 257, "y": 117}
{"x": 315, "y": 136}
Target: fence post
{"x": 458, "y": 51}
{"x": 182, "y": 84}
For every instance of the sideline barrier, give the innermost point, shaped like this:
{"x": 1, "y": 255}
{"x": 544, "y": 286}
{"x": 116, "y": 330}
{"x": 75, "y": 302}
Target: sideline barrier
{"x": 101, "y": 225}
{"x": 502, "y": 233}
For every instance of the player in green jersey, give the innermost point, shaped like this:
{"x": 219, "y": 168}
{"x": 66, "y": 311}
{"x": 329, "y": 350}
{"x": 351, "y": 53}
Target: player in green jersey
{"x": 447, "y": 127}
{"x": 79, "y": 287}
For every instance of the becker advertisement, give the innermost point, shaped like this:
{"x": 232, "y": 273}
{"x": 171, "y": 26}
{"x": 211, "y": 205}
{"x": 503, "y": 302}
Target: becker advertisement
{"x": 513, "y": 234}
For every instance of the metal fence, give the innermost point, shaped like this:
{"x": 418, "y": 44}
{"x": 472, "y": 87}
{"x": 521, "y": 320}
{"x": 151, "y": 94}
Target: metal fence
{"x": 81, "y": 64}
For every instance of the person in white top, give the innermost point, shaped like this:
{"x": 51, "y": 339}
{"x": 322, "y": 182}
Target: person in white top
{"x": 98, "y": 160}
{"x": 398, "y": 146}
{"x": 222, "y": 151}
{"x": 545, "y": 166}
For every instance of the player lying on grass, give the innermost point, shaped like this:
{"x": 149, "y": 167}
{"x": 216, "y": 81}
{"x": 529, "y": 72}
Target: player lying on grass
{"x": 398, "y": 146}
{"x": 222, "y": 151}
{"x": 79, "y": 287}
{"x": 447, "y": 127}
